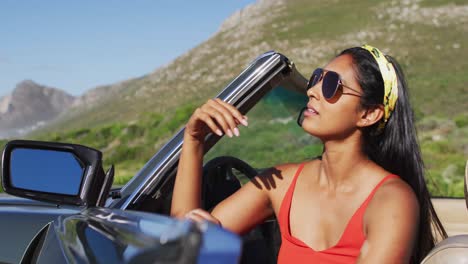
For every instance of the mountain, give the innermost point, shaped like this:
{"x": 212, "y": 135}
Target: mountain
{"x": 30, "y": 106}
{"x": 129, "y": 120}
{"x": 427, "y": 37}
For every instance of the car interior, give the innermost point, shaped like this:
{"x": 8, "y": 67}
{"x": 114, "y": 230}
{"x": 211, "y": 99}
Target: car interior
{"x": 224, "y": 175}
{"x": 454, "y": 249}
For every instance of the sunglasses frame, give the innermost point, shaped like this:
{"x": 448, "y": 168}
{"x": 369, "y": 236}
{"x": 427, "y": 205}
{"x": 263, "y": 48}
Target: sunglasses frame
{"x": 321, "y": 77}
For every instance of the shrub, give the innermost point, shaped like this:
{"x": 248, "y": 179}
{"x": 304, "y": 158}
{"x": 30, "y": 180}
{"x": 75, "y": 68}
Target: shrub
{"x": 180, "y": 117}
{"x": 461, "y": 120}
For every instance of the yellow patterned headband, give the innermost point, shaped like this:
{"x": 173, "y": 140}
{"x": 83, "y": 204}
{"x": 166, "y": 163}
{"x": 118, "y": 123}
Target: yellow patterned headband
{"x": 390, "y": 82}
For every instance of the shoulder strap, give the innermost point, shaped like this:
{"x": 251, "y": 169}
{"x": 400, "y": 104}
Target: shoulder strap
{"x": 356, "y": 221}
{"x": 369, "y": 198}
{"x": 286, "y": 203}
{"x": 354, "y": 232}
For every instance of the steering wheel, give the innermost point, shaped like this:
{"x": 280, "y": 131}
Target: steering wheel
{"x": 219, "y": 181}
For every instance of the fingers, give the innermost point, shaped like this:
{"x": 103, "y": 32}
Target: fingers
{"x": 241, "y": 118}
{"x": 200, "y": 215}
{"x": 206, "y": 118}
{"x": 224, "y": 119}
{"x": 221, "y": 117}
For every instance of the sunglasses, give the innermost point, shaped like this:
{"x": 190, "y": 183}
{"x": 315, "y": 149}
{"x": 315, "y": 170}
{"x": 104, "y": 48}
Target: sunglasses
{"x": 331, "y": 83}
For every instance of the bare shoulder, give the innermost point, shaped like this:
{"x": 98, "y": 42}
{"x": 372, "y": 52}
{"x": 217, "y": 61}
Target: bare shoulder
{"x": 274, "y": 177}
{"x": 291, "y": 168}
{"x": 397, "y": 199}
{"x": 391, "y": 223}
{"x": 280, "y": 176}
{"x": 396, "y": 190}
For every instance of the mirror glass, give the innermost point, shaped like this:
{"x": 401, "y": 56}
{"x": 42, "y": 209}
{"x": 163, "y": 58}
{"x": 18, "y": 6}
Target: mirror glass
{"x": 49, "y": 171}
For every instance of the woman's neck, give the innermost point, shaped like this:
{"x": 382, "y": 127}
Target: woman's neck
{"x": 341, "y": 161}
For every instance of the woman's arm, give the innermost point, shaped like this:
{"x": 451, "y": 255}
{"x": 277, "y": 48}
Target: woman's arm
{"x": 214, "y": 116}
{"x": 391, "y": 223}
{"x": 187, "y": 188}
{"x": 245, "y": 208}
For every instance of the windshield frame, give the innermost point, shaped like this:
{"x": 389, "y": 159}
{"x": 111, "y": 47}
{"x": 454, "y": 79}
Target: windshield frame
{"x": 262, "y": 75}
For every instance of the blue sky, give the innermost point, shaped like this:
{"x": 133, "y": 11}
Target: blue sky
{"x": 78, "y": 45}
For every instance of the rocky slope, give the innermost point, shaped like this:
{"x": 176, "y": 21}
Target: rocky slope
{"x": 30, "y": 106}
{"x": 425, "y": 37}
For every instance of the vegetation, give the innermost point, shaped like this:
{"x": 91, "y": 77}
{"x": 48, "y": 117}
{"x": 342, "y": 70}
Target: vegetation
{"x": 128, "y": 145}
{"x": 427, "y": 37}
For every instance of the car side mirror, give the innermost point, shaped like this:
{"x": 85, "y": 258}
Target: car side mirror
{"x": 53, "y": 172}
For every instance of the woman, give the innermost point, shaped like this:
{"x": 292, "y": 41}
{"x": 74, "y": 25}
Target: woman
{"x": 365, "y": 200}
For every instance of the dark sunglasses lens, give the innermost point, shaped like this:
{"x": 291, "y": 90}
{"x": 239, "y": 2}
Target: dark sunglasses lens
{"x": 315, "y": 77}
{"x": 330, "y": 84}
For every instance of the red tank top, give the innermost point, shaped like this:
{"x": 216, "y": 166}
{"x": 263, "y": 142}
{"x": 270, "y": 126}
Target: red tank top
{"x": 346, "y": 250}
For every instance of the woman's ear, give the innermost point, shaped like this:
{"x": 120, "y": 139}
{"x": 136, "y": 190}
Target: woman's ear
{"x": 371, "y": 116}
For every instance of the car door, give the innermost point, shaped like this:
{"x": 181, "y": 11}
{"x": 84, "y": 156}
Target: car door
{"x": 102, "y": 235}
{"x": 69, "y": 175}
{"x": 21, "y": 219}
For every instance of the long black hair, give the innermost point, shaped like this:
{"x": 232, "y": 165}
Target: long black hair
{"x": 395, "y": 148}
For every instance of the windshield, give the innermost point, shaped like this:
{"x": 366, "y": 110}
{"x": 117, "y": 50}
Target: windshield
{"x": 243, "y": 92}
{"x": 273, "y": 136}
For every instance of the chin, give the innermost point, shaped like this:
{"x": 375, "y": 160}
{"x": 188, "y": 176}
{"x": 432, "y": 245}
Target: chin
{"x": 312, "y": 129}
{"x": 325, "y": 133}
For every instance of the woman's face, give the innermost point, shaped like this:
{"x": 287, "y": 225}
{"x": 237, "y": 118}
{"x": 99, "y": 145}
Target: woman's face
{"x": 337, "y": 117}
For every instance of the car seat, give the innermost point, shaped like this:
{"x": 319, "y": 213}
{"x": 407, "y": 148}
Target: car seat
{"x": 452, "y": 250}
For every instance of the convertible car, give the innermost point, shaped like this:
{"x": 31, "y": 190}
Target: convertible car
{"x": 62, "y": 207}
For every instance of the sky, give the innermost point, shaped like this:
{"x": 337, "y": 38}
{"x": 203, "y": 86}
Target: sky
{"x": 78, "y": 45}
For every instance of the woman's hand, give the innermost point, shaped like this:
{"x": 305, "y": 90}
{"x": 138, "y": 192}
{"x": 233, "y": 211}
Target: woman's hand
{"x": 214, "y": 116}
{"x": 200, "y": 215}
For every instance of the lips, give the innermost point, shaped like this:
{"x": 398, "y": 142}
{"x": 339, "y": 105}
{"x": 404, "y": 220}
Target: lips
{"x": 309, "y": 111}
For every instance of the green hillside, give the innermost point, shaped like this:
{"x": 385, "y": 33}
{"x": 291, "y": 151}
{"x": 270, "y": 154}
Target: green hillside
{"x": 129, "y": 121}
